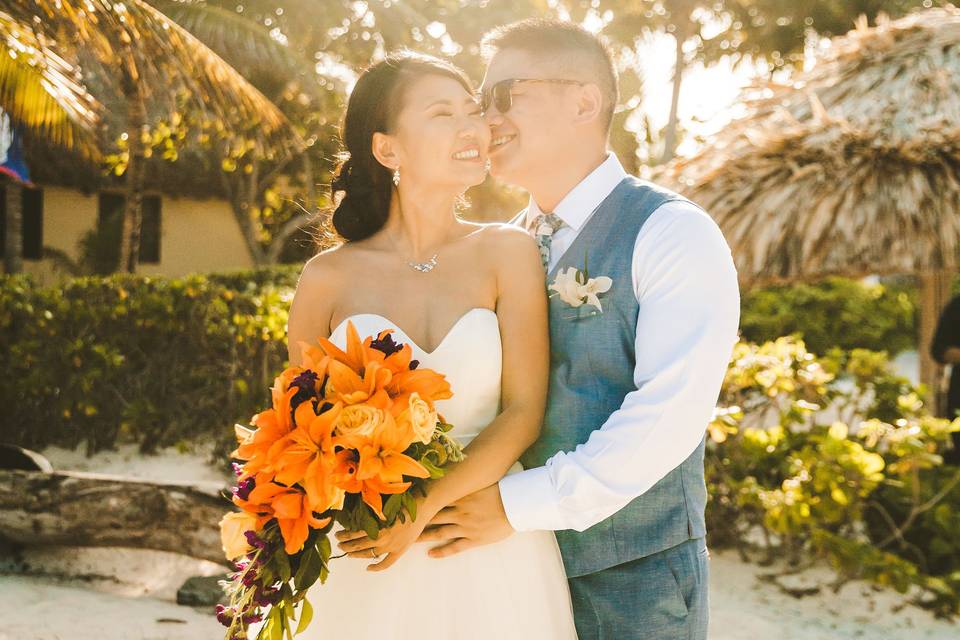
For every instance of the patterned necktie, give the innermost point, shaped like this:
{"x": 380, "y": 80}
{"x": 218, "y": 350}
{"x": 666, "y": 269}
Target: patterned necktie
{"x": 543, "y": 228}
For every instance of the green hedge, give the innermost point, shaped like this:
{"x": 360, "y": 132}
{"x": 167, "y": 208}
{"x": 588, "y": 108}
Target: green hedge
{"x": 158, "y": 360}
{"x": 132, "y": 358}
{"x": 836, "y": 312}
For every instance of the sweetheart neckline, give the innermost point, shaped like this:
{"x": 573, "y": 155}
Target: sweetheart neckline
{"x": 410, "y": 340}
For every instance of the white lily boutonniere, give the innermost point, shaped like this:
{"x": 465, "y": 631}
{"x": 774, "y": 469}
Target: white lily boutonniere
{"x": 576, "y": 287}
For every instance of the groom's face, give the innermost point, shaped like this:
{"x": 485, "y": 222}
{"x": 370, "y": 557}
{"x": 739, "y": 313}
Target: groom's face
{"x": 531, "y": 135}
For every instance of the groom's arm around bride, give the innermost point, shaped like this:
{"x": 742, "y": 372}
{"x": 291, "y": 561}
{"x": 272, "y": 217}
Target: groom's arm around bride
{"x": 618, "y": 470}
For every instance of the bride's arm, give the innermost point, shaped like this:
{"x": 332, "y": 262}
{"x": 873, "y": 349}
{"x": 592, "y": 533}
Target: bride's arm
{"x": 522, "y": 313}
{"x": 310, "y": 308}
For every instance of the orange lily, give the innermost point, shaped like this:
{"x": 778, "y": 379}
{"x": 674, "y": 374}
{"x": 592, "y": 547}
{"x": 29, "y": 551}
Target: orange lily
{"x": 290, "y": 506}
{"x": 282, "y": 382}
{"x": 370, "y": 489}
{"x": 272, "y": 426}
{"x": 431, "y": 386}
{"x": 379, "y": 463}
{"x": 307, "y": 456}
{"x": 314, "y": 359}
{"x": 360, "y": 353}
{"x": 356, "y": 356}
{"x": 345, "y": 385}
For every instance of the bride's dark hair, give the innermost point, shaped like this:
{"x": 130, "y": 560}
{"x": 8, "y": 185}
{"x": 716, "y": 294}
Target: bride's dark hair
{"x": 374, "y": 104}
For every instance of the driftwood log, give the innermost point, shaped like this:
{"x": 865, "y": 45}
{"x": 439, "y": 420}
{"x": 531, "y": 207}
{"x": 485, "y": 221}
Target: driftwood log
{"x": 90, "y": 509}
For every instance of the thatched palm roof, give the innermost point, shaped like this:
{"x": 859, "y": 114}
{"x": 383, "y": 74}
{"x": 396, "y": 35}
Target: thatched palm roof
{"x": 853, "y": 168}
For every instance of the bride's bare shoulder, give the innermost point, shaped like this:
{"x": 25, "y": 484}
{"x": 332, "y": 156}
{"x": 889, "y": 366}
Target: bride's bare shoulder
{"x": 320, "y": 271}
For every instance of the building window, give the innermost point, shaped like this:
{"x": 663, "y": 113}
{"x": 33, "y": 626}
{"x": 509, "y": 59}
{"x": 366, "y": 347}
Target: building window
{"x": 32, "y": 224}
{"x": 31, "y": 231}
{"x": 110, "y": 222}
{"x": 150, "y": 231}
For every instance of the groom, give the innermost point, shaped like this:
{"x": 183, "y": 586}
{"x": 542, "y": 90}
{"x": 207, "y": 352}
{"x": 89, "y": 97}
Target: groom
{"x": 618, "y": 470}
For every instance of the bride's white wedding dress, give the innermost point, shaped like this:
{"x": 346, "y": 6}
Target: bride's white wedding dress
{"x": 512, "y": 589}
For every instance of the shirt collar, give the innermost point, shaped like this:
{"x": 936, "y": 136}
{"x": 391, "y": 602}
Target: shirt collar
{"x": 581, "y": 201}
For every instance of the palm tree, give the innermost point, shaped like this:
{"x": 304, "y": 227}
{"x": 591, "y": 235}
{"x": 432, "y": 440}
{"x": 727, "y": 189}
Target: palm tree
{"x": 41, "y": 94}
{"x": 143, "y": 64}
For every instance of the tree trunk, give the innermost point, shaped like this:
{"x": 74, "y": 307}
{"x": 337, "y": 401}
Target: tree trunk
{"x": 934, "y": 295}
{"x": 88, "y": 509}
{"x": 679, "y": 65}
{"x": 241, "y": 189}
{"x": 133, "y": 201}
{"x": 13, "y": 244}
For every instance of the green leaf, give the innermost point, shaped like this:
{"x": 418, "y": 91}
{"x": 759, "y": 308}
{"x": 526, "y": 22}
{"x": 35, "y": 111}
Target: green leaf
{"x": 274, "y": 626}
{"x": 368, "y": 522}
{"x": 435, "y": 471}
{"x": 410, "y": 504}
{"x": 392, "y": 507}
{"x": 283, "y": 565}
{"x": 325, "y": 553}
{"x": 309, "y": 570}
{"x": 306, "y": 615}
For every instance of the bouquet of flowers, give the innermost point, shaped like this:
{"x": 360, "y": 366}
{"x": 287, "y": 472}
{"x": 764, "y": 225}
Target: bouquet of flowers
{"x": 352, "y": 437}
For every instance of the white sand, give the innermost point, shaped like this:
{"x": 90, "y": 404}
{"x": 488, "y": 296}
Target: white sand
{"x": 130, "y": 594}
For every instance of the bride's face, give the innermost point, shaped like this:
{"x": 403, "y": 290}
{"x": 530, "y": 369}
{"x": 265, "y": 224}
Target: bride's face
{"x": 440, "y": 136}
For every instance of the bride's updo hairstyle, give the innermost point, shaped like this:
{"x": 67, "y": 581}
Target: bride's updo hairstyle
{"x": 376, "y": 101}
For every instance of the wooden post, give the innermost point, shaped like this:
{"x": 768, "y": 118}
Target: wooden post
{"x": 934, "y": 295}
{"x": 13, "y": 248}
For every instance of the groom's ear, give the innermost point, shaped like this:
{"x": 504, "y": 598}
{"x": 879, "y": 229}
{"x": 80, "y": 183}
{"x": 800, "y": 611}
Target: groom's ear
{"x": 384, "y": 150}
{"x": 589, "y": 103}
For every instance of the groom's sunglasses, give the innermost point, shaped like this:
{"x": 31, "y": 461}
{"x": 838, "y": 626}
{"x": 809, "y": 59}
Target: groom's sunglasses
{"x": 500, "y": 96}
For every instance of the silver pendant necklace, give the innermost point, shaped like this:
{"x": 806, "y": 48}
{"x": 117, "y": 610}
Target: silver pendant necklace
{"x": 424, "y": 267}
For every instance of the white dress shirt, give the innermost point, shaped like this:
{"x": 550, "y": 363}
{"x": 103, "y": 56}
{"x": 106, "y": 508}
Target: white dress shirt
{"x": 686, "y": 284}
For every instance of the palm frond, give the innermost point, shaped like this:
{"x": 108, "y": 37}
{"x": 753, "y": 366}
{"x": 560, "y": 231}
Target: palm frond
{"x": 242, "y": 42}
{"x": 41, "y": 92}
{"x": 133, "y": 42}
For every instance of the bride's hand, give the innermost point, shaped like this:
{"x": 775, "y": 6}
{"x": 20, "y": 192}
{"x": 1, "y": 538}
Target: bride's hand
{"x": 393, "y": 542}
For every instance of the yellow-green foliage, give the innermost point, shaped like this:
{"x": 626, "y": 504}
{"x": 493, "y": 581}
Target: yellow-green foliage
{"x": 836, "y": 456}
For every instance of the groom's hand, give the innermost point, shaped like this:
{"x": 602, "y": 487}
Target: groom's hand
{"x": 472, "y": 521}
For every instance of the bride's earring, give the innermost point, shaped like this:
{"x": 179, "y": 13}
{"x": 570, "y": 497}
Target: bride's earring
{"x": 396, "y": 177}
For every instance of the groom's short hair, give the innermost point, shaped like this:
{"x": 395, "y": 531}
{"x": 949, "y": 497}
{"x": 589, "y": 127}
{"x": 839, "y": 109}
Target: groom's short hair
{"x": 565, "y": 44}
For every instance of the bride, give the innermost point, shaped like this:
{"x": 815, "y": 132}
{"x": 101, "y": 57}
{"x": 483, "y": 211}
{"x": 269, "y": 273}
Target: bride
{"x": 470, "y": 299}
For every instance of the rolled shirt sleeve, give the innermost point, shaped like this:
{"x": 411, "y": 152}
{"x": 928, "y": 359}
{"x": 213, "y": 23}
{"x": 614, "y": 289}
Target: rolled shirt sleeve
{"x": 686, "y": 284}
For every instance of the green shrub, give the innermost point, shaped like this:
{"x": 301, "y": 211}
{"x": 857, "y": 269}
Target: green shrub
{"x": 836, "y": 312}
{"x": 835, "y": 456}
{"x": 153, "y": 360}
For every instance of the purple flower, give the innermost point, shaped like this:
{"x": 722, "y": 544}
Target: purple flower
{"x": 265, "y": 596}
{"x": 306, "y": 384}
{"x": 386, "y": 344}
{"x": 250, "y": 618}
{"x": 224, "y": 615}
{"x": 237, "y": 468}
{"x": 244, "y": 487}
{"x": 414, "y": 364}
{"x": 250, "y": 578}
{"x": 254, "y": 540}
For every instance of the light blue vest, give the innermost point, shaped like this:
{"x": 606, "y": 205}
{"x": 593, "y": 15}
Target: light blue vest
{"x": 592, "y": 359}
